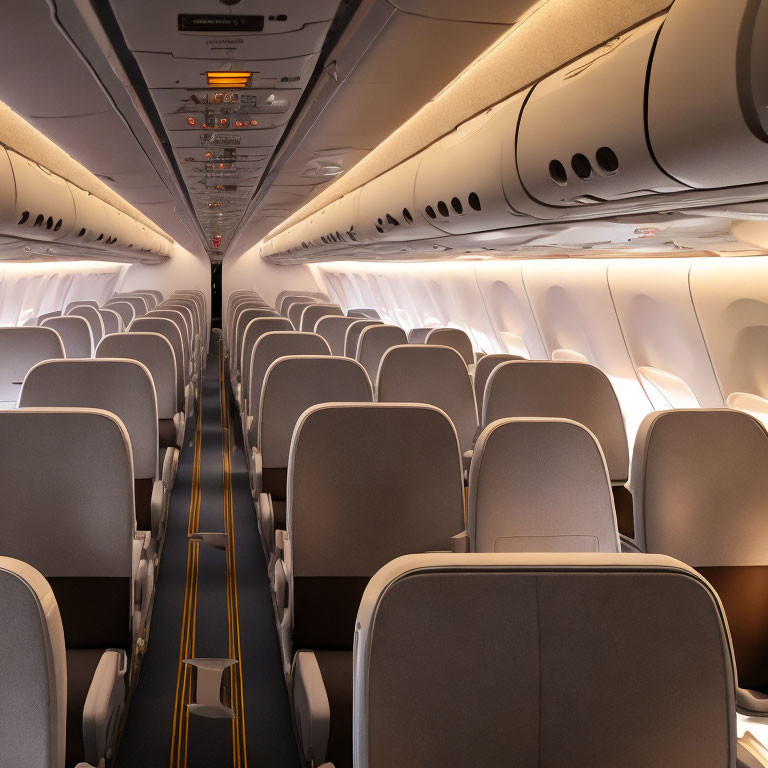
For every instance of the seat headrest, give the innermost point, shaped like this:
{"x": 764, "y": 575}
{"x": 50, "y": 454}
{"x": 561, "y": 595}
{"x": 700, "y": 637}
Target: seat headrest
{"x": 77, "y": 514}
{"x": 455, "y": 338}
{"x": 75, "y": 332}
{"x": 154, "y": 351}
{"x": 566, "y": 390}
{"x": 700, "y": 487}
{"x": 352, "y": 336}
{"x": 254, "y": 330}
{"x": 416, "y": 373}
{"x": 552, "y": 659}
{"x": 123, "y": 308}
{"x": 33, "y": 668}
{"x": 370, "y": 482}
{"x": 22, "y": 348}
{"x": 540, "y": 485}
{"x": 293, "y": 384}
{"x": 313, "y": 312}
{"x": 294, "y": 311}
{"x": 123, "y": 387}
{"x": 418, "y": 335}
{"x": 483, "y": 370}
{"x": 333, "y": 328}
{"x": 113, "y": 323}
{"x": 374, "y": 341}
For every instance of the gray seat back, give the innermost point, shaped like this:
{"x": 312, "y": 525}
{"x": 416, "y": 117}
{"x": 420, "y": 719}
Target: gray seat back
{"x": 418, "y": 335}
{"x": 33, "y": 668}
{"x": 293, "y": 384}
{"x": 170, "y": 331}
{"x": 540, "y": 485}
{"x": 21, "y": 349}
{"x": 252, "y": 333}
{"x": 363, "y": 313}
{"x": 244, "y": 317}
{"x": 174, "y": 316}
{"x": 138, "y": 304}
{"x": 92, "y": 316}
{"x": 286, "y": 298}
{"x": 155, "y": 352}
{"x": 412, "y": 373}
{"x": 454, "y": 338}
{"x": 314, "y": 312}
{"x": 352, "y": 336}
{"x": 113, "y": 322}
{"x": 123, "y": 308}
{"x": 75, "y": 333}
{"x": 333, "y": 329}
{"x": 484, "y": 369}
{"x": 294, "y": 311}
{"x": 80, "y": 303}
{"x": 374, "y": 342}
{"x": 542, "y": 660}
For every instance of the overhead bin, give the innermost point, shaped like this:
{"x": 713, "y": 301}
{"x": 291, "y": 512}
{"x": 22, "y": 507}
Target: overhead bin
{"x": 459, "y": 182}
{"x": 582, "y": 132}
{"x": 707, "y": 93}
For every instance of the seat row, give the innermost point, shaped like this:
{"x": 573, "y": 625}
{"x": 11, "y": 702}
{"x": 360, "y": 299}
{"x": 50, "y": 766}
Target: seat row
{"x": 360, "y": 483}
{"x": 88, "y": 459}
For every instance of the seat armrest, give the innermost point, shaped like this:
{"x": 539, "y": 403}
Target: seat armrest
{"x": 104, "y": 705}
{"x": 180, "y": 423}
{"x": 750, "y": 753}
{"x": 267, "y": 524}
{"x": 158, "y": 507}
{"x": 311, "y": 707}
{"x": 170, "y": 467}
{"x": 256, "y": 469}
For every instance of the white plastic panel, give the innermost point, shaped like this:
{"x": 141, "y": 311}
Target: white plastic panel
{"x": 387, "y": 208}
{"x": 731, "y": 301}
{"x": 44, "y": 206}
{"x": 654, "y": 307}
{"x": 707, "y": 92}
{"x": 582, "y": 133}
{"x": 459, "y": 185}
{"x": 488, "y": 12}
{"x": 574, "y": 311}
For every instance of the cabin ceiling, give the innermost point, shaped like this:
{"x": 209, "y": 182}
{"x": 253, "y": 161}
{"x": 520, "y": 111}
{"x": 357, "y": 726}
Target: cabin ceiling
{"x": 125, "y": 91}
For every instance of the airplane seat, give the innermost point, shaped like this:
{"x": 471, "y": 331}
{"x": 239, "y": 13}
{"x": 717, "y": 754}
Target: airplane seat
{"x": 149, "y": 298}
{"x": 113, "y": 322}
{"x": 295, "y": 309}
{"x": 435, "y": 375}
{"x": 333, "y": 329}
{"x": 188, "y": 368}
{"x": 79, "y": 303}
{"x": 588, "y": 660}
{"x": 456, "y": 339}
{"x": 567, "y": 390}
{"x": 244, "y": 317}
{"x": 78, "y": 529}
{"x": 189, "y": 310}
{"x": 254, "y": 330}
{"x": 21, "y": 348}
{"x": 418, "y": 335}
{"x": 373, "y": 344}
{"x": 239, "y": 305}
{"x": 283, "y": 302}
{"x": 92, "y": 316}
{"x": 364, "y": 313}
{"x": 138, "y": 304}
{"x": 291, "y": 385}
{"x": 156, "y": 353}
{"x": 75, "y": 333}
{"x": 124, "y": 388}
{"x": 540, "y": 485}
{"x": 483, "y": 369}
{"x": 123, "y": 308}
{"x": 172, "y": 332}
{"x": 352, "y": 336}
{"x": 199, "y": 301}
{"x": 268, "y": 348}
{"x": 700, "y": 491}
{"x": 313, "y": 312}
{"x": 367, "y": 482}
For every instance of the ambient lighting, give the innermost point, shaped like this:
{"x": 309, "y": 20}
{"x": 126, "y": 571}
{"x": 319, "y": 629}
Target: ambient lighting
{"x": 228, "y": 79}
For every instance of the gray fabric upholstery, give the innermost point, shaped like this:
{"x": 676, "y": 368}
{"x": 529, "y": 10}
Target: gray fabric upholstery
{"x": 373, "y": 344}
{"x": 484, "y": 369}
{"x": 566, "y": 390}
{"x": 138, "y": 304}
{"x": 352, "y": 336}
{"x": 149, "y": 299}
{"x": 184, "y": 315}
{"x": 370, "y": 482}
{"x": 169, "y": 330}
{"x": 269, "y": 348}
{"x": 80, "y": 303}
{"x": 295, "y": 309}
{"x": 540, "y": 485}
{"x": 418, "y": 335}
{"x": 21, "y": 349}
{"x": 252, "y": 333}
{"x": 314, "y": 312}
{"x": 156, "y": 353}
{"x": 333, "y": 329}
{"x": 33, "y": 696}
{"x": 180, "y": 322}
{"x": 123, "y": 308}
{"x": 75, "y": 333}
{"x": 238, "y": 305}
{"x": 92, "y": 316}
{"x": 434, "y": 375}
{"x": 244, "y": 317}
{"x": 123, "y": 387}
{"x": 113, "y": 323}
{"x": 454, "y": 338}
{"x": 293, "y": 384}
{"x": 283, "y": 302}
{"x": 363, "y": 313}
{"x": 589, "y": 661}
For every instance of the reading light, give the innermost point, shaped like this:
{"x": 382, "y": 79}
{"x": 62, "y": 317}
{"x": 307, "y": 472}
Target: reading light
{"x": 228, "y": 79}
{"x": 191, "y": 121}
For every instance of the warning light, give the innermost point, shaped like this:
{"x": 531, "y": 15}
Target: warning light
{"x": 254, "y": 122}
{"x": 217, "y": 98}
{"x": 224, "y": 122}
{"x": 191, "y": 121}
{"x": 239, "y": 124}
{"x": 208, "y": 155}
{"x": 228, "y": 79}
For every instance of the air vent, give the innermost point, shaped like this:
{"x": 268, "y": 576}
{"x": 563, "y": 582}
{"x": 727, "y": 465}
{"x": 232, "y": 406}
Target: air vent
{"x": 24, "y": 217}
{"x": 474, "y": 202}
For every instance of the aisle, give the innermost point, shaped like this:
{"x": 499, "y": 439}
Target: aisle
{"x": 211, "y": 603}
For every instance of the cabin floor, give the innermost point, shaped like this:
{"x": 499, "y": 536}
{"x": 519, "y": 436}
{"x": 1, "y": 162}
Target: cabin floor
{"x": 211, "y": 603}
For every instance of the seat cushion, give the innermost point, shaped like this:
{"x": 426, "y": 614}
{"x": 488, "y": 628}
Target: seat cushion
{"x": 336, "y": 669}
{"x": 81, "y": 665}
